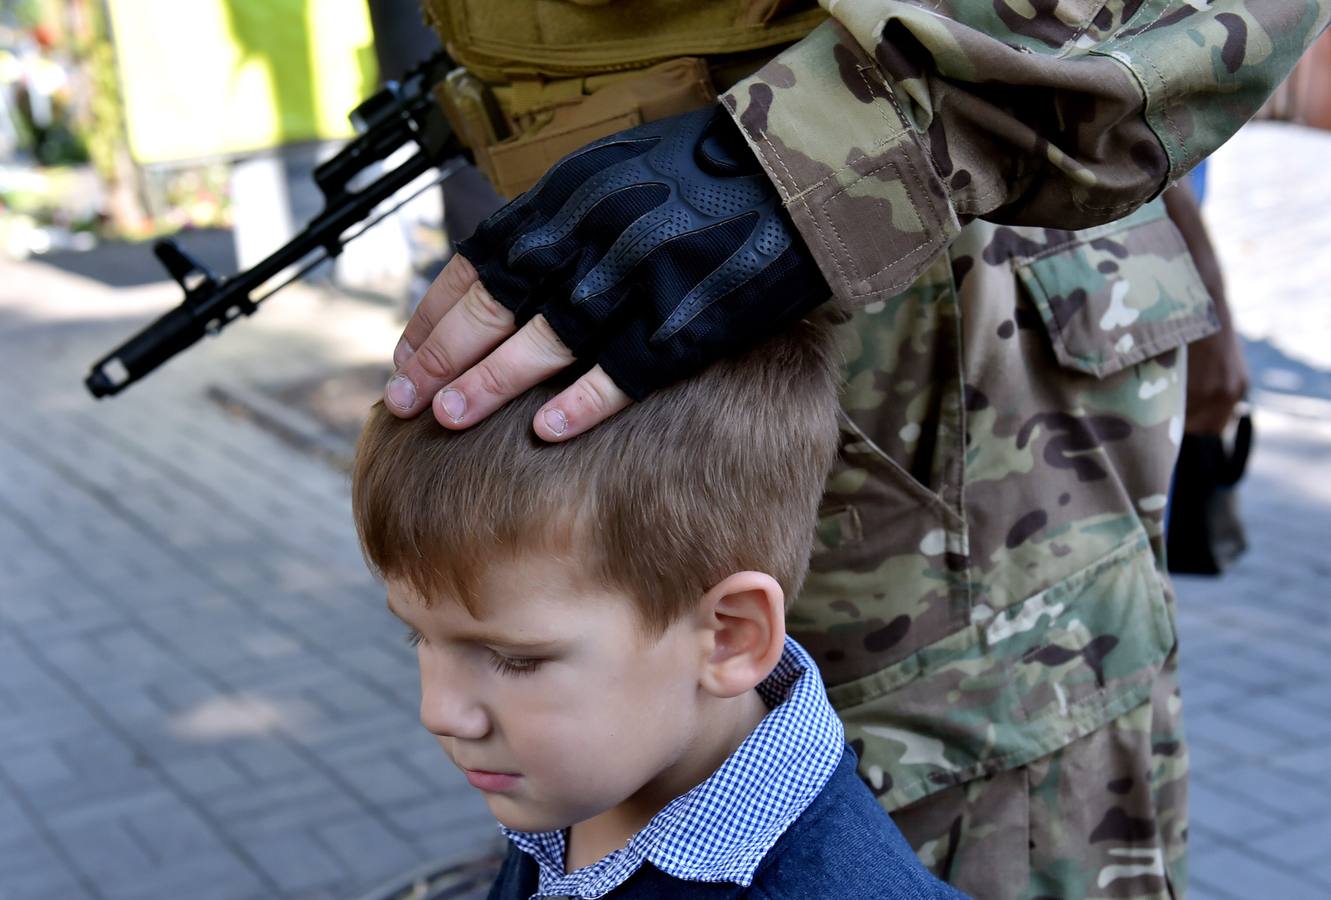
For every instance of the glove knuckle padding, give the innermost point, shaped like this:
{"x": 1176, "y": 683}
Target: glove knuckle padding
{"x": 648, "y": 232}
{"x": 654, "y": 251}
{"x": 593, "y": 192}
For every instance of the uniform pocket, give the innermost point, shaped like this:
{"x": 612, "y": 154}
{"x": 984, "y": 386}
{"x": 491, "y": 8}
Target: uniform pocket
{"x": 1017, "y": 685}
{"x": 1119, "y": 294}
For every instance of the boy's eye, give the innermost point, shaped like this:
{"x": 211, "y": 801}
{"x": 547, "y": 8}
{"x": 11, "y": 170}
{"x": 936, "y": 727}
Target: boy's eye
{"x": 509, "y": 665}
{"x": 413, "y": 637}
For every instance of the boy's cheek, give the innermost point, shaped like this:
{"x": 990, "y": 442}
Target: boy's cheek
{"x": 589, "y": 759}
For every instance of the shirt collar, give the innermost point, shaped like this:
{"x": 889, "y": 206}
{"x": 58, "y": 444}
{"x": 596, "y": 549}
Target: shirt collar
{"x": 720, "y": 830}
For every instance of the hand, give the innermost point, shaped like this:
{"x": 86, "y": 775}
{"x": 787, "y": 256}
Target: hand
{"x": 650, "y": 253}
{"x": 454, "y": 328}
{"x": 1217, "y": 381}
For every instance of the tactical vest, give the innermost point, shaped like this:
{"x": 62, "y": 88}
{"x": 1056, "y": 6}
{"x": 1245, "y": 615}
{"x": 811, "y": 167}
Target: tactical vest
{"x": 540, "y": 78}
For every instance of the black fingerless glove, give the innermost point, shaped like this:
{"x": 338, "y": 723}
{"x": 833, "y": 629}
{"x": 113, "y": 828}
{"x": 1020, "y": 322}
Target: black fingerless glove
{"x": 654, "y": 251}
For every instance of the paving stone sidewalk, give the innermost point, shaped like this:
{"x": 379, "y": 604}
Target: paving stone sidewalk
{"x": 201, "y": 694}
{"x": 200, "y": 691}
{"x": 1255, "y": 646}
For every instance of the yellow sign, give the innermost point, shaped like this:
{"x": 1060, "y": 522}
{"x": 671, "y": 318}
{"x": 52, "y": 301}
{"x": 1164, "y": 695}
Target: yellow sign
{"x": 204, "y": 78}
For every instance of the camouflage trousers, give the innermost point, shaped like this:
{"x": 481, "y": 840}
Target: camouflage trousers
{"x": 986, "y": 598}
{"x": 1105, "y": 816}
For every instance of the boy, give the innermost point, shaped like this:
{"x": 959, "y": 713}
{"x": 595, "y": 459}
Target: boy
{"x": 600, "y": 629}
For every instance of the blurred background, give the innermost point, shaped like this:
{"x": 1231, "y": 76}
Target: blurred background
{"x": 200, "y": 691}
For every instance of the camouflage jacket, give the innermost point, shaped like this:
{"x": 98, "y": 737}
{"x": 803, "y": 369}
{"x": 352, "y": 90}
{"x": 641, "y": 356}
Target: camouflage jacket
{"x": 897, "y": 121}
{"x": 988, "y": 583}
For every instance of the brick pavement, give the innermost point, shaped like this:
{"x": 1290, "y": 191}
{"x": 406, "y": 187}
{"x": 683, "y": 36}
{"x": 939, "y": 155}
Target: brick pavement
{"x": 201, "y": 694}
{"x": 200, "y": 691}
{"x": 1256, "y": 645}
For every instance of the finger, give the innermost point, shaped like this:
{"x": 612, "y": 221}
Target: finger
{"x": 470, "y": 329}
{"x": 521, "y": 362}
{"x": 448, "y": 287}
{"x": 586, "y": 403}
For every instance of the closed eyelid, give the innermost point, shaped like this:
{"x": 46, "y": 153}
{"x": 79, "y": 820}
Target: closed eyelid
{"x": 514, "y": 666}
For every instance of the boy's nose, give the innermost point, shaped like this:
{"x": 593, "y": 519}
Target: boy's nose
{"x": 448, "y": 707}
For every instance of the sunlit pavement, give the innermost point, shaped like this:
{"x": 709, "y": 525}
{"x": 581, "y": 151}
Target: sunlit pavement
{"x": 201, "y": 694}
{"x": 1256, "y": 645}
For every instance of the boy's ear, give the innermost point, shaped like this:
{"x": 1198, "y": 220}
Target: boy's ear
{"x": 744, "y": 629}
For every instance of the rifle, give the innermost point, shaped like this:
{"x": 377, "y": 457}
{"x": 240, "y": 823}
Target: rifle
{"x": 400, "y": 113}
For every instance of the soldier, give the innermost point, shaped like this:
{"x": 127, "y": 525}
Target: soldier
{"x": 988, "y": 602}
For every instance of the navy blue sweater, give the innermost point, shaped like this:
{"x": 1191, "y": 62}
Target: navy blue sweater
{"x": 842, "y": 847}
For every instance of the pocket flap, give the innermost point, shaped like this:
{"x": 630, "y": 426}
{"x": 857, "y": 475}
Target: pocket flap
{"x": 1017, "y": 685}
{"x": 1119, "y": 294}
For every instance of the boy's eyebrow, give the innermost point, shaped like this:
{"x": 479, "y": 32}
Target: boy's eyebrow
{"x": 480, "y": 637}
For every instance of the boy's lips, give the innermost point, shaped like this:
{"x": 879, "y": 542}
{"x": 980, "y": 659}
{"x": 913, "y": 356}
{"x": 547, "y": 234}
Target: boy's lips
{"x": 491, "y": 781}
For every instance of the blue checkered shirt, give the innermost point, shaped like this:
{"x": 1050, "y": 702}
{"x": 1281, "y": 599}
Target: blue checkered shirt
{"x": 720, "y": 830}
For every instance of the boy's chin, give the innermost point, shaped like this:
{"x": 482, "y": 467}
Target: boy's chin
{"x": 516, "y": 816}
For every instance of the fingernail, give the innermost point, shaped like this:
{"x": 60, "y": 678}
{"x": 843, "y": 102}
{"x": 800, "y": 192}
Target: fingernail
{"x": 556, "y": 421}
{"x": 401, "y": 352}
{"x": 454, "y": 403}
{"x": 401, "y": 392}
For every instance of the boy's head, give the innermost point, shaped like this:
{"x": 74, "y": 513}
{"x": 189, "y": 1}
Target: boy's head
{"x": 581, "y": 608}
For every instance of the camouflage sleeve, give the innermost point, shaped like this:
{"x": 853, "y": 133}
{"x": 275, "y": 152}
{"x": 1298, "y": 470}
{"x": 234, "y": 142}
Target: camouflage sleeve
{"x": 894, "y": 123}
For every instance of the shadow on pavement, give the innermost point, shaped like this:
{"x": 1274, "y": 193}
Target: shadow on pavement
{"x": 121, "y": 264}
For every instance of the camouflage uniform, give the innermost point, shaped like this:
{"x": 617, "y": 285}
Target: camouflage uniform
{"x": 985, "y": 601}
{"x": 987, "y": 598}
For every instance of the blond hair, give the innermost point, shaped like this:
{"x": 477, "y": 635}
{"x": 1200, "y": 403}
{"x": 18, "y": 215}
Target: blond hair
{"x": 718, "y": 474}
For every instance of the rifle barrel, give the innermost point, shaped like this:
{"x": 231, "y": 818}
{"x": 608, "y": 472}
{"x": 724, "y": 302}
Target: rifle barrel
{"x": 214, "y": 308}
